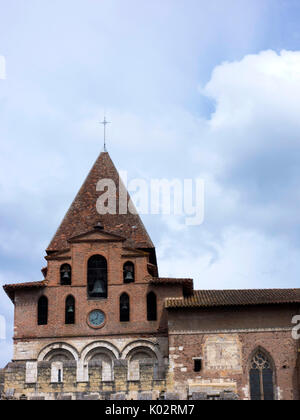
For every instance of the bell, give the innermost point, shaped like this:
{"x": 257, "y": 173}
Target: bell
{"x": 129, "y": 276}
{"x": 66, "y": 275}
{"x": 98, "y": 287}
{"x": 70, "y": 309}
{"x": 124, "y": 307}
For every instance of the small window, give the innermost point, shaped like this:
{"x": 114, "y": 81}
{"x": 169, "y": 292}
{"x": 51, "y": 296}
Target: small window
{"x": 65, "y": 275}
{"x": 43, "y": 311}
{"x": 97, "y": 277}
{"x": 197, "y": 365}
{"x": 128, "y": 272}
{"x": 124, "y": 308}
{"x": 70, "y": 310}
{"x": 57, "y": 372}
{"x": 151, "y": 307}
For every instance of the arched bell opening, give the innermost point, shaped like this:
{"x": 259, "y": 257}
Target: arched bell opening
{"x": 97, "y": 277}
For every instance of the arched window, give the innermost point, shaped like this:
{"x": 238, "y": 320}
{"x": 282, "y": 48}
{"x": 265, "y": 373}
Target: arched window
{"x": 261, "y": 377}
{"x": 151, "y": 307}
{"x": 43, "y": 311}
{"x": 65, "y": 275}
{"x": 70, "y": 310}
{"x": 124, "y": 308}
{"x": 128, "y": 272}
{"x": 97, "y": 277}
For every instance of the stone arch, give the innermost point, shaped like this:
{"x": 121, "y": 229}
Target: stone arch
{"x": 142, "y": 350}
{"x": 99, "y": 345}
{"x": 138, "y": 344}
{"x": 57, "y": 354}
{"x": 99, "y": 354}
{"x": 69, "y": 352}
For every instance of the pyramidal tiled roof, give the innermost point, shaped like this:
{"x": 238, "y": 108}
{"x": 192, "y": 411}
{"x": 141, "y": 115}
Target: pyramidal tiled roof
{"x": 82, "y": 216}
{"x": 215, "y": 298}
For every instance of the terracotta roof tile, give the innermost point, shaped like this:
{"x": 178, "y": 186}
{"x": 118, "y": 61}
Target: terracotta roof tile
{"x": 214, "y": 298}
{"x": 82, "y": 216}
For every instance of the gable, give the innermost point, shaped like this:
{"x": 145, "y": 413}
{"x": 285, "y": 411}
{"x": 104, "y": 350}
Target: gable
{"x": 96, "y": 236}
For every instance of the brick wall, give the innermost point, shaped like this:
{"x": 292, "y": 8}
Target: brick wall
{"x": 236, "y": 344}
{"x": 26, "y": 301}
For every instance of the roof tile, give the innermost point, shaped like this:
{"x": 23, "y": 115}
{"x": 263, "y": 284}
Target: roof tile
{"x": 214, "y": 298}
{"x": 82, "y": 216}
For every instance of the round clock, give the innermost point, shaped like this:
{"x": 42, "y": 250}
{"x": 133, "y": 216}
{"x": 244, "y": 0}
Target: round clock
{"x": 96, "y": 318}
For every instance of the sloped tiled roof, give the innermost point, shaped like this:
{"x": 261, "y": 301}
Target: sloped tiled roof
{"x": 82, "y": 216}
{"x": 11, "y": 288}
{"x": 188, "y": 284}
{"x": 214, "y": 298}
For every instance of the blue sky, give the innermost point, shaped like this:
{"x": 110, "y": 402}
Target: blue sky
{"x": 194, "y": 89}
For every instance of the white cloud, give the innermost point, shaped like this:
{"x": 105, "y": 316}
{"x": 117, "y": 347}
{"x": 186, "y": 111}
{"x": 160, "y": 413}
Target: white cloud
{"x": 2, "y": 68}
{"x": 254, "y": 135}
{"x": 257, "y": 94}
{"x": 245, "y": 259}
{"x": 248, "y": 152}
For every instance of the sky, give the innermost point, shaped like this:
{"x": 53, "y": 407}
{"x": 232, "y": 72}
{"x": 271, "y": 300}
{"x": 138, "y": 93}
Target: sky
{"x": 194, "y": 89}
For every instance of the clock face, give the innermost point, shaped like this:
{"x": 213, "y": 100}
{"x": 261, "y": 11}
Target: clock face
{"x": 96, "y": 318}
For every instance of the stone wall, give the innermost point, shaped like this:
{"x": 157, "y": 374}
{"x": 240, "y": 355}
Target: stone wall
{"x": 224, "y": 370}
{"x": 149, "y": 386}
